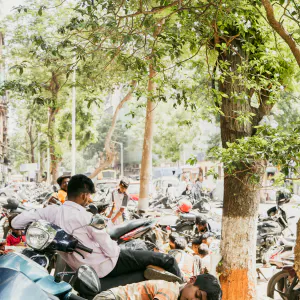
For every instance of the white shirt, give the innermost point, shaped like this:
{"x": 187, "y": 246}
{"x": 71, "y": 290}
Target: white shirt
{"x": 121, "y": 201}
{"x": 74, "y": 219}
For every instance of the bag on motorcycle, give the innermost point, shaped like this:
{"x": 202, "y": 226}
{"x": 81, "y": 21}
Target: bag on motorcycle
{"x": 187, "y": 217}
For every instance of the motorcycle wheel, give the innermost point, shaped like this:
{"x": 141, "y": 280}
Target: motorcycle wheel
{"x": 279, "y": 282}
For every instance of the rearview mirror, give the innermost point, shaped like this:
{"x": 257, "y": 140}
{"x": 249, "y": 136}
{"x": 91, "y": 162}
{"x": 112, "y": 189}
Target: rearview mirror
{"x": 87, "y": 282}
{"x": 93, "y": 209}
{"x": 98, "y": 222}
{"x": 54, "y": 189}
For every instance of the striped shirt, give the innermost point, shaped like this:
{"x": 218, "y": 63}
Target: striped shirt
{"x": 146, "y": 290}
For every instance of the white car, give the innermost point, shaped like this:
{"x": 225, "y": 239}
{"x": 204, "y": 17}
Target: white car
{"x": 161, "y": 184}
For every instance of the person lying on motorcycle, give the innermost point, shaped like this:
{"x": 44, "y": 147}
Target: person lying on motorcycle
{"x": 119, "y": 199}
{"x": 107, "y": 258}
{"x": 202, "y": 287}
{"x": 202, "y": 225}
{"x": 189, "y": 265}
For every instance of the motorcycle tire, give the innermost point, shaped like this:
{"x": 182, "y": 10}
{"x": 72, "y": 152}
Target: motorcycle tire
{"x": 276, "y": 282}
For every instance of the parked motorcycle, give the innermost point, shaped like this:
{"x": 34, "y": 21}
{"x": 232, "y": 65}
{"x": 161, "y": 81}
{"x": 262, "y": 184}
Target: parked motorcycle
{"x": 285, "y": 282}
{"x": 26, "y": 270}
{"x": 272, "y": 231}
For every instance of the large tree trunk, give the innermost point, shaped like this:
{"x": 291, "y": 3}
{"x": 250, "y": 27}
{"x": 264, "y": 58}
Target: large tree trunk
{"x": 31, "y": 139}
{"x": 110, "y": 154}
{"x": 241, "y": 197}
{"x": 146, "y": 165}
{"x": 238, "y": 246}
{"x": 297, "y": 250}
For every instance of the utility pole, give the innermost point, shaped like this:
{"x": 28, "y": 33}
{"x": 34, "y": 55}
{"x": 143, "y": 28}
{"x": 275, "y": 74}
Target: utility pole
{"x": 39, "y": 158}
{"x": 48, "y": 155}
{"x": 122, "y": 157}
{"x": 74, "y": 121}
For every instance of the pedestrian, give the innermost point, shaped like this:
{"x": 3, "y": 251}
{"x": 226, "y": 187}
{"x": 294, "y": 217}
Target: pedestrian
{"x": 119, "y": 199}
{"x": 195, "y": 245}
{"x": 17, "y": 236}
{"x": 203, "y": 251}
{"x": 62, "y": 181}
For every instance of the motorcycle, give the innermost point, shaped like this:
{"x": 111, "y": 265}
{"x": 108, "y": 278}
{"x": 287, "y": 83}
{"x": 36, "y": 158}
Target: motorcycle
{"x": 285, "y": 282}
{"x": 13, "y": 206}
{"x": 271, "y": 233}
{"x": 27, "y": 270}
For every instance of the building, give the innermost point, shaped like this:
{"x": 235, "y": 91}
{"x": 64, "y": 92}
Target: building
{"x": 4, "y": 168}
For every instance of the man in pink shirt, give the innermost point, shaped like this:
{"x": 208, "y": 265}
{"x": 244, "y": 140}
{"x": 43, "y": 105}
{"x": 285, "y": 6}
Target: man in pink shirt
{"x": 107, "y": 259}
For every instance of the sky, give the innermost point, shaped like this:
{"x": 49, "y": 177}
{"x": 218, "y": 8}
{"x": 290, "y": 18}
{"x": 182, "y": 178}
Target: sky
{"x": 7, "y": 5}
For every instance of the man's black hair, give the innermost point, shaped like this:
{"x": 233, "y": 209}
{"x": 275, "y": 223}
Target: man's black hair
{"x": 200, "y": 221}
{"x": 180, "y": 243}
{"x": 203, "y": 250}
{"x": 209, "y": 284}
{"x": 196, "y": 241}
{"x": 80, "y": 184}
{"x": 173, "y": 236}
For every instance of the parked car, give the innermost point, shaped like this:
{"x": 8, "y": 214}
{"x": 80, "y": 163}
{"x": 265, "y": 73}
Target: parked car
{"x": 161, "y": 184}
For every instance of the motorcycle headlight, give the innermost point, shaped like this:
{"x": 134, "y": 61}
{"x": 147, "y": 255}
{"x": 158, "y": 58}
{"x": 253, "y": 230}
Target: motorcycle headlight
{"x": 39, "y": 235}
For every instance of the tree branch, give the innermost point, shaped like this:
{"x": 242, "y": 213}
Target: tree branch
{"x": 109, "y": 152}
{"x": 281, "y": 30}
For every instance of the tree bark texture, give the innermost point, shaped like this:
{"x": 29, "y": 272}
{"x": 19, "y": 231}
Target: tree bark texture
{"x": 110, "y": 154}
{"x": 278, "y": 27}
{"x": 241, "y": 196}
{"x": 146, "y": 165}
{"x": 297, "y": 250}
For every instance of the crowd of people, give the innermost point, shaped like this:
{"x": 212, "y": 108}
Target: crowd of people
{"x": 179, "y": 273}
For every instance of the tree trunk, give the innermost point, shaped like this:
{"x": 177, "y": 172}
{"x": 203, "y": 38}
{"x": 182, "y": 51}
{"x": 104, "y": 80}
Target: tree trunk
{"x": 55, "y": 160}
{"x": 31, "y": 140}
{"x": 146, "y": 165}
{"x": 53, "y": 111}
{"x": 297, "y": 250}
{"x": 110, "y": 154}
{"x": 241, "y": 197}
{"x": 238, "y": 245}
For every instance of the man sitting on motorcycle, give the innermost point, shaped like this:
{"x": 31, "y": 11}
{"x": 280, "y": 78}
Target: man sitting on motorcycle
{"x": 203, "y": 287}
{"x": 107, "y": 258}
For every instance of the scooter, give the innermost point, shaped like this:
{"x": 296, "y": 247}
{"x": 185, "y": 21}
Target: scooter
{"x": 33, "y": 280}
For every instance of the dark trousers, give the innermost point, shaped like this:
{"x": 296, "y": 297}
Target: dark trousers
{"x": 135, "y": 263}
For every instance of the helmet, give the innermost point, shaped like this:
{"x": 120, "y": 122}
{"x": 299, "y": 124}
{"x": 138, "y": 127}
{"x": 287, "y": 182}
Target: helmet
{"x": 185, "y": 206}
{"x": 125, "y": 182}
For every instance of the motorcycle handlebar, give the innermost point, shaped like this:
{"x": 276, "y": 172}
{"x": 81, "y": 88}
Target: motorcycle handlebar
{"x": 83, "y": 248}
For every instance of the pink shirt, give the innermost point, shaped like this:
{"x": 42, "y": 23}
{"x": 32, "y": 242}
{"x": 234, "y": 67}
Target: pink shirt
{"x": 74, "y": 219}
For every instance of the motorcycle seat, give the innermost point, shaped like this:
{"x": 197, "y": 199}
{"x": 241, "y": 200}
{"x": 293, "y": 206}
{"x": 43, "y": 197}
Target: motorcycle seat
{"x": 117, "y": 231}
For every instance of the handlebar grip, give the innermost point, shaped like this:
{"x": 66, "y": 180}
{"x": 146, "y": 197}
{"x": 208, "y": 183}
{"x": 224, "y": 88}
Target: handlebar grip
{"x": 75, "y": 297}
{"x": 83, "y": 248}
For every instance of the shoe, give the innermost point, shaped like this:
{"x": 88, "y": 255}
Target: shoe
{"x": 156, "y": 273}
